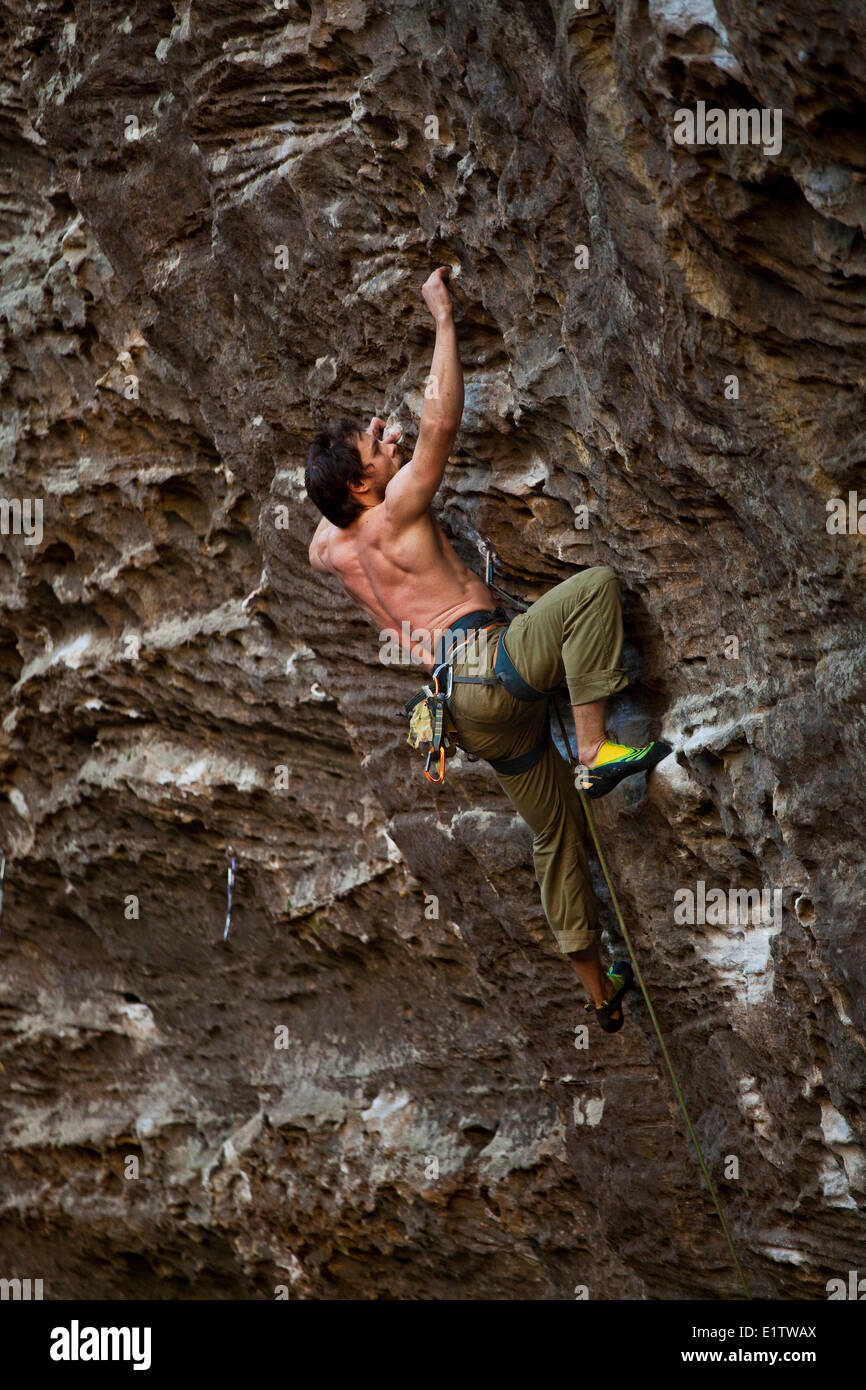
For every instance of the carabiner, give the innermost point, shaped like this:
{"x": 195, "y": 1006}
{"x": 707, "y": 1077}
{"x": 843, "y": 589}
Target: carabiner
{"x": 487, "y": 552}
{"x": 441, "y": 777}
{"x": 444, "y": 665}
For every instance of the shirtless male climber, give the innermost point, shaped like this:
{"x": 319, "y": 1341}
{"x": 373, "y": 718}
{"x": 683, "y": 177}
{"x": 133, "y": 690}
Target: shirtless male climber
{"x": 379, "y": 537}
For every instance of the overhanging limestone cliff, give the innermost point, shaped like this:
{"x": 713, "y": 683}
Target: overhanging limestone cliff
{"x": 216, "y": 221}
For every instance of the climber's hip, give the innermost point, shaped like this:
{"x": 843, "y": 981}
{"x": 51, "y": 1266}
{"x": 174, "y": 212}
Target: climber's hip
{"x": 492, "y": 722}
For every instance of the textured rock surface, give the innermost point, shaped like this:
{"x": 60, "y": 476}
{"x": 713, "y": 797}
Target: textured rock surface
{"x": 166, "y": 648}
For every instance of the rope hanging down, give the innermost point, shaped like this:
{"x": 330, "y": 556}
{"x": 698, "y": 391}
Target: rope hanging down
{"x": 487, "y": 552}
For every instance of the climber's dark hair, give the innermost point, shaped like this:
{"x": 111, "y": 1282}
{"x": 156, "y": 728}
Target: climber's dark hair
{"x": 333, "y": 462}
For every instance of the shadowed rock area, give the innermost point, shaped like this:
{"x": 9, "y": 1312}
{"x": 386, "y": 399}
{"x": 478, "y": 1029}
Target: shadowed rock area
{"x": 215, "y": 221}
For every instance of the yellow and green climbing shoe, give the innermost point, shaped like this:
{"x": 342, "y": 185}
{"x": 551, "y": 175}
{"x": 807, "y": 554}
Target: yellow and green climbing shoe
{"x": 614, "y": 762}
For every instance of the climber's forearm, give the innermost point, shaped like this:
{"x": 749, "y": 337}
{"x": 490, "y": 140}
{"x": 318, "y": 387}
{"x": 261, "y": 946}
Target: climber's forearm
{"x": 443, "y": 397}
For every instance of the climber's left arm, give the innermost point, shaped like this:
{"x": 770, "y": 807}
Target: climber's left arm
{"x": 411, "y": 490}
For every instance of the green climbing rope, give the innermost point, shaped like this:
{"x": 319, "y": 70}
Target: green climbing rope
{"x": 520, "y": 603}
{"x": 652, "y": 1013}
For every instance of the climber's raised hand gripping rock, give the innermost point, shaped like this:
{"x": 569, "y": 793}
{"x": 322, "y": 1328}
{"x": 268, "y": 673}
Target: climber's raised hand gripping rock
{"x": 379, "y": 538}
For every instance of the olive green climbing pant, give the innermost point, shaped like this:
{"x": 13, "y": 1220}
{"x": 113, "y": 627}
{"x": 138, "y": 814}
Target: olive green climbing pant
{"x": 572, "y": 633}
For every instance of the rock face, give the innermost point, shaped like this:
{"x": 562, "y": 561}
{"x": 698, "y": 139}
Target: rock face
{"x": 216, "y": 219}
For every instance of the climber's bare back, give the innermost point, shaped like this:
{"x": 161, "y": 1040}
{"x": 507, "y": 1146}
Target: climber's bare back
{"x": 409, "y": 573}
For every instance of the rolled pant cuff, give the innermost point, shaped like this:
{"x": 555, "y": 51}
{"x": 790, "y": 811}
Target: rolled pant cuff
{"x": 597, "y": 686}
{"x": 577, "y": 939}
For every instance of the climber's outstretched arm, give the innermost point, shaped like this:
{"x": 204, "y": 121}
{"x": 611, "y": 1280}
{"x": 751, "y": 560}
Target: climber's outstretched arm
{"x": 411, "y": 491}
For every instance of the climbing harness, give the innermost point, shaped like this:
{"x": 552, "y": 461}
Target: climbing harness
{"x": 510, "y": 677}
{"x": 430, "y": 720}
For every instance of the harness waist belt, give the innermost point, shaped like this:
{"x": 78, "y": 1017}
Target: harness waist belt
{"x": 469, "y": 622}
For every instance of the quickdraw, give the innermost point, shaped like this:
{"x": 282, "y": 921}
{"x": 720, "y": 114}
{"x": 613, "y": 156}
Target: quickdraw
{"x": 437, "y": 747}
{"x": 430, "y": 720}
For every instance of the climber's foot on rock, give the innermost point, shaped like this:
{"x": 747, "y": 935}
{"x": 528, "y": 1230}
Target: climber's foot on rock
{"x": 613, "y": 762}
{"x": 611, "y": 1014}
